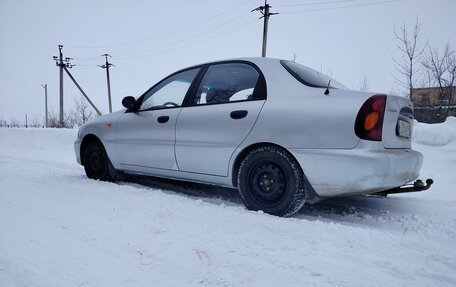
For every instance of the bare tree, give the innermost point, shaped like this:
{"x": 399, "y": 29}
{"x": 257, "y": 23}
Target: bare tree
{"x": 14, "y": 123}
{"x": 427, "y": 81}
{"x": 411, "y": 52}
{"x": 81, "y": 112}
{"x": 36, "y": 123}
{"x": 79, "y": 115}
{"x": 451, "y": 70}
{"x": 54, "y": 120}
{"x": 70, "y": 120}
{"x": 435, "y": 64}
{"x": 441, "y": 69}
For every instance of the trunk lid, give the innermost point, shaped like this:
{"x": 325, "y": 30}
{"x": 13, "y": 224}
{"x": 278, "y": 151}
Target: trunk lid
{"x": 397, "y": 123}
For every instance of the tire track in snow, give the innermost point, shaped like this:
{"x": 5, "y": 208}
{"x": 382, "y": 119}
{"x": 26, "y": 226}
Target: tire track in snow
{"x": 58, "y": 166}
{"x": 392, "y": 214}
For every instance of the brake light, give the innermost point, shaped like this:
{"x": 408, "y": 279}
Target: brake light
{"x": 369, "y": 122}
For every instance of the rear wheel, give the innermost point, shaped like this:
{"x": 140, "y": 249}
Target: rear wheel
{"x": 271, "y": 180}
{"x": 96, "y": 162}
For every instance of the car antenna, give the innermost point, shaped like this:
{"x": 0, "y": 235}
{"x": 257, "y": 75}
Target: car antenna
{"x": 327, "y": 88}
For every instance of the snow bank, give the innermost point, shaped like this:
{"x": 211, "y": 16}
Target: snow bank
{"x": 55, "y": 145}
{"x": 437, "y": 143}
{"x": 435, "y": 134}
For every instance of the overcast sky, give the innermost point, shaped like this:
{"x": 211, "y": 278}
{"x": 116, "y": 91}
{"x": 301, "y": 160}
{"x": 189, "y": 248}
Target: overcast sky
{"x": 151, "y": 39}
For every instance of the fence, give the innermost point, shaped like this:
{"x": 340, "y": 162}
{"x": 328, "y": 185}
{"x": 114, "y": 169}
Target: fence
{"x": 433, "y": 114}
{"x": 5, "y": 125}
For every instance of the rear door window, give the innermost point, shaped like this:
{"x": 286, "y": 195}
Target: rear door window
{"x": 228, "y": 82}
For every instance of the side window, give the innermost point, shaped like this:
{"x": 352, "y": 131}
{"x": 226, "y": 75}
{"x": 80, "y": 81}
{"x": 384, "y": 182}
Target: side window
{"x": 169, "y": 93}
{"x": 225, "y": 83}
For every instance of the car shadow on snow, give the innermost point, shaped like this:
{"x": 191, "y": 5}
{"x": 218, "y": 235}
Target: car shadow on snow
{"x": 351, "y": 210}
{"x": 205, "y": 192}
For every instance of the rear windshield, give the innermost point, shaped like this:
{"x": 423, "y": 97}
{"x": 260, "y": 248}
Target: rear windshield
{"x": 310, "y": 77}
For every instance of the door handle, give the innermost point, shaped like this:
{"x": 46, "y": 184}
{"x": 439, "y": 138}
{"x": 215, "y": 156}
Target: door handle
{"x": 236, "y": 115}
{"x": 162, "y": 119}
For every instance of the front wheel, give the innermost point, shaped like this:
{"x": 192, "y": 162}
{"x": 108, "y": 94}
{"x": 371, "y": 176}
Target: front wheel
{"x": 271, "y": 180}
{"x": 96, "y": 162}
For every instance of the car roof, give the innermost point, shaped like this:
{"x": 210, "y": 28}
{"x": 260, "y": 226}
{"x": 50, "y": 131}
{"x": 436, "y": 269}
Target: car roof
{"x": 255, "y": 60}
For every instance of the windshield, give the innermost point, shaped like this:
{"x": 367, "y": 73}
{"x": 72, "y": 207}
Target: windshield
{"x": 310, "y": 77}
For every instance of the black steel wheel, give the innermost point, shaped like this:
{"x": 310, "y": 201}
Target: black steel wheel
{"x": 268, "y": 182}
{"x": 271, "y": 180}
{"x": 96, "y": 162}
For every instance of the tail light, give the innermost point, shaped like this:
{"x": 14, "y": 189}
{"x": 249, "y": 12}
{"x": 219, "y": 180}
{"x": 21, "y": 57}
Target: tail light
{"x": 369, "y": 122}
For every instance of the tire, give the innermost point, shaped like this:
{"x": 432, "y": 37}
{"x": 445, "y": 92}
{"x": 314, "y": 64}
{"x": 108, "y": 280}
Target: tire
{"x": 96, "y": 162}
{"x": 271, "y": 180}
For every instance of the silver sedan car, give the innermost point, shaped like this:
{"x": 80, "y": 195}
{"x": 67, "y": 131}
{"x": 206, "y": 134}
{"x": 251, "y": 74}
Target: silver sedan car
{"x": 280, "y": 132}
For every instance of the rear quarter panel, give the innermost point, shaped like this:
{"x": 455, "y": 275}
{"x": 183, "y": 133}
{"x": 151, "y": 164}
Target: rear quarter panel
{"x": 298, "y": 116}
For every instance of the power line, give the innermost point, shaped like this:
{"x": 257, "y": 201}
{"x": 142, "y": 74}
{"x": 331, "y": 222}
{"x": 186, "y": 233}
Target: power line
{"x": 133, "y": 69}
{"x": 164, "y": 34}
{"x": 160, "y": 49}
{"x": 85, "y": 65}
{"x": 130, "y": 73}
{"x": 86, "y": 59}
{"x": 341, "y": 7}
{"x": 187, "y": 38}
{"x": 315, "y": 3}
{"x": 188, "y": 45}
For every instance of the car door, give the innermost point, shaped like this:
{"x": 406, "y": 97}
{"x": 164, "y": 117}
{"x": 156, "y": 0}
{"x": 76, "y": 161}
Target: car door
{"x": 219, "y": 117}
{"x": 145, "y": 138}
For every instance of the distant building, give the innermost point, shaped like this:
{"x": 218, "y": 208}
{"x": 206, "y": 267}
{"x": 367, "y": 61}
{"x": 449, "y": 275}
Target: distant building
{"x": 431, "y": 106}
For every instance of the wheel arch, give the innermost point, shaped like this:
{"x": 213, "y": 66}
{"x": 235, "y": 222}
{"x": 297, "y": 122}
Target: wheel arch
{"x": 85, "y": 141}
{"x": 240, "y": 157}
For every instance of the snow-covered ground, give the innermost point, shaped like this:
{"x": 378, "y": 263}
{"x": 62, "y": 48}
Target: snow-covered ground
{"x": 58, "y": 228}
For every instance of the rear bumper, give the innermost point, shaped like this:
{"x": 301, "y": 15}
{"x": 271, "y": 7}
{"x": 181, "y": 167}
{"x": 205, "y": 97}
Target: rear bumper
{"x": 358, "y": 171}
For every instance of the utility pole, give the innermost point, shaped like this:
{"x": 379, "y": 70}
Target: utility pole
{"x": 26, "y": 124}
{"x": 61, "y": 122}
{"x": 61, "y": 63}
{"x": 45, "y": 105}
{"x": 106, "y": 66}
{"x": 64, "y": 65}
{"x": 266, "y": 14}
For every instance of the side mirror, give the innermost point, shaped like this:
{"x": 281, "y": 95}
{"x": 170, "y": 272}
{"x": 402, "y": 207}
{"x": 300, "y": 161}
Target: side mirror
{"x": 129, "y": 102}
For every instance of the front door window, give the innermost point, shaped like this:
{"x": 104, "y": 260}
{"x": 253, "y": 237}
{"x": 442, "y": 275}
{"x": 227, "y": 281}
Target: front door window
{"x": 170, "y": 92}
